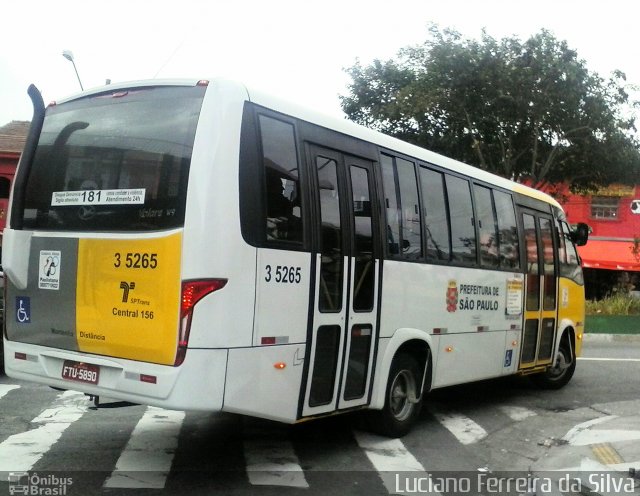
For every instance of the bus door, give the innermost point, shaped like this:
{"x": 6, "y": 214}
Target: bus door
{"x": 345, "y": 306}
{"x": 541, "y": 302}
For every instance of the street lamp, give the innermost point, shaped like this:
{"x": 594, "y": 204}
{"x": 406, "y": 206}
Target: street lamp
{"x": 68, "y": 54}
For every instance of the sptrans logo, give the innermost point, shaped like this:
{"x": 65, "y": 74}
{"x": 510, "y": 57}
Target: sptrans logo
{"x": 452, "y": 296}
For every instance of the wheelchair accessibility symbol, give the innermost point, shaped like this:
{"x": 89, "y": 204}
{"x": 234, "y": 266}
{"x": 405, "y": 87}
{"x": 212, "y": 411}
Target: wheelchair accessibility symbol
{"x": 23, "y": 309}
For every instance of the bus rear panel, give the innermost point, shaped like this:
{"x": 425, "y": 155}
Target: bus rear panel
{"x": 96, "y": 293}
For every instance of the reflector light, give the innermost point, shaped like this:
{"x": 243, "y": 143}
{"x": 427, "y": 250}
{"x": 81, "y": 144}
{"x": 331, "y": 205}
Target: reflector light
{"x": 269, "y": 340}
{"x": 20, "y": 356}
{"x": 151, "y": 379}
{"x": 192, "y": 293}
{"x": 202, "y": 82}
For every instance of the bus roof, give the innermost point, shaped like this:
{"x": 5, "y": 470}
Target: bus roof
{"x": 343, "y": 126}
{"x": 358, "y": 131}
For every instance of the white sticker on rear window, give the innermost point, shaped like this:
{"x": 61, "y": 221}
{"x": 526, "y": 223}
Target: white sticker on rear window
{"x": 98, "y": 197}
{"x": 49, "y": 269}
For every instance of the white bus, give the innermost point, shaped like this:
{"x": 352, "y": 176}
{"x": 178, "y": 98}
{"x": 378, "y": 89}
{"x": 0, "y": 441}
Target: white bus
{"x": 198, "y": 245}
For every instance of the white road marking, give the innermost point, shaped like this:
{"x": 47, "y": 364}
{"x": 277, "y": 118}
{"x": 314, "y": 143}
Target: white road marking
{"x": 273, "y": 462}
{"x": 576, "y": 430}
{"x": 387, "y": 455}
{"x": 20, "y": 452}
{"x": 462, "y": 427}
{"x": 5, "y": 388}
{"x": 146, "y": 460}
{"x": 391, "y": 459}
{"x": 517, "y": 413}
{"x": 589, "y": 359}
{"x": 583, "y": 434}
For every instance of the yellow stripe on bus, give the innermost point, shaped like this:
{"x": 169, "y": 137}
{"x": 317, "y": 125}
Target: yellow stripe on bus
{"x": 128, "y": 297}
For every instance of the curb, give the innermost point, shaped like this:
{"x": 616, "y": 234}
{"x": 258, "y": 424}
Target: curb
{"x": 608, "y": 338}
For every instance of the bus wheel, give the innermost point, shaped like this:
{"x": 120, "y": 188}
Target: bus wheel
{"x": 401, "y": 406}
{"x": 560, "y": 373}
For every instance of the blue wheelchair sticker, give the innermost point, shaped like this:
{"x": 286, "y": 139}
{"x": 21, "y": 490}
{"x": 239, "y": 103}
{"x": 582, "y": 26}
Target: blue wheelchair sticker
{"x": 507, "y": 358}
{"x": 23, "y": 309}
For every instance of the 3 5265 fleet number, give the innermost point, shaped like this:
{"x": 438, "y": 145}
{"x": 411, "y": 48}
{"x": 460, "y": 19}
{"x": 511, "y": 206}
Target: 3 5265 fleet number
{"x": 135, "y": 260}
{"x": 283, "y": 274}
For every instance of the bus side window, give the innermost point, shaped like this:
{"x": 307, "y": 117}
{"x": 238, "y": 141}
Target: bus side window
{"x": 283, "y": 214}
{"x": 463, "y": 233}
{"x": 403, "y": 210}
{"x": 391, "y": 204}
{"x": 434, "y": 212}
{"x": 487, "y": 227}
{"x": 411, "y": 228}
{"x": 569, "y": 261}
{"x": 507, "y": 231}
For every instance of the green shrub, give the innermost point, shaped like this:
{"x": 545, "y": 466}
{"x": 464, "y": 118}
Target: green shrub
{"x": 618, "y": 304}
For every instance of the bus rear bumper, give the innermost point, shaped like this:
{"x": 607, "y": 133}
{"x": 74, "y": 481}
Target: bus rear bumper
{"x": 137, "y": 382}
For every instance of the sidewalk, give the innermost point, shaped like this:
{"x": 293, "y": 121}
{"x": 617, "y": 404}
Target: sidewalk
{"x": 600, "y": 457}
{"x": 610, "y": 337}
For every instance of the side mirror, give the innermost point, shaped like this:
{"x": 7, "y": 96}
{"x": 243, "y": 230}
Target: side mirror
{"x": 580, "y": 234}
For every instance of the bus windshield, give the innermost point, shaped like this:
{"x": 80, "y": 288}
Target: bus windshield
{"x": 116, "y": 161}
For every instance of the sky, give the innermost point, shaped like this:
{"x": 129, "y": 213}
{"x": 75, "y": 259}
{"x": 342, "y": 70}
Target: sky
{"x": 293, "y": 49}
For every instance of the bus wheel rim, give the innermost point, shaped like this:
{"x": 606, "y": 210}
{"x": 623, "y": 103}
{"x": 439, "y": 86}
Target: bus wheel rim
{"x": 401, "y": 406}
{"x": 560, "y": 366}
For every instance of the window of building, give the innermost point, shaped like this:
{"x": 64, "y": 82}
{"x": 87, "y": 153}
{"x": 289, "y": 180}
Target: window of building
{"x": 5, "y": 187}
{"x": 604, "y": 207}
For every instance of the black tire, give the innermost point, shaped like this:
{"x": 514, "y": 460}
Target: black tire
{"x": 560, "y": 373}
{"x": 401, "y": 409}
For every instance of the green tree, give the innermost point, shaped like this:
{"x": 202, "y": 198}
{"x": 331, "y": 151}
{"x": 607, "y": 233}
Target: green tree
{"x": 525, "y": 110}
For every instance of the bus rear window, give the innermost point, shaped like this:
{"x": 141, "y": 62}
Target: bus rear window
{"x": 116, "y": 161}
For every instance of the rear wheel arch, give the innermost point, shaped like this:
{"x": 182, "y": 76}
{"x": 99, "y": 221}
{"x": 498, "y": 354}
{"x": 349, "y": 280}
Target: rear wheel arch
{"x": 421, "y": 353}
{"x": 414, "y": 342}
{"x": 564, "y": 363}
{"x": 403, "y": 385}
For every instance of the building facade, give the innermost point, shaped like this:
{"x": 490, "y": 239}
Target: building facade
{"x": 12, "y": 140}
{"x": 611, "y": 258}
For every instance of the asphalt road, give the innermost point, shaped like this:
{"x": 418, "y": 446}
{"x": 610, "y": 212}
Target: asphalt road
{"x": 498, "y": 428}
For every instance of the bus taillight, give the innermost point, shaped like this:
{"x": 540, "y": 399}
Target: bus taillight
{"x": 192, "y": 293}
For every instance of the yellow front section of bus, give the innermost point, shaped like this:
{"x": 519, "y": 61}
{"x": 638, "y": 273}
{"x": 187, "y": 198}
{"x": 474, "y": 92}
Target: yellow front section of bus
{"x": 128, "y": 297}
{"x": 571, "y": 307}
